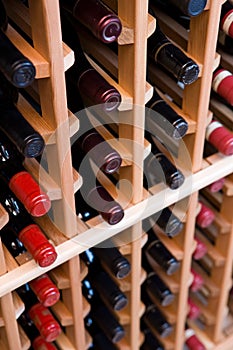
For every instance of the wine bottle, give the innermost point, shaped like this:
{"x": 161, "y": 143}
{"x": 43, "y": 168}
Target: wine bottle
{"x": 97, "y": 17}
{"x": 46, "y": 291}
{"x": 168, "y": 222}
{"x": 197, "y": 281}
{"x": 154, "y": 319}
{"x": 21, "y": 225}
{"x": 158, "y": 168}
{"x": 17, "y": 68}
{"x": 200, "y": 249}
{"x": 163, "y": 52}
{"x": 41, "y": 316}
{"x": 220, "y": 137}
{"x": 112, "y": 260}
{"x": 99, "y": 340}
{"x": 217, "y": 185}
{"x": 159, "y": 113}
{"x": 20, "y": 181}
{"x": 107, "y": 289}
{"x": 95, "y": 195}
{"x": 101, "y": 314}
{"x": 37, "y": 341}
{"x": 150, "y": 341}
{"x": 157, "y": 290}
{"x": 93, "y": 88}
{"x": 155, "y": 251}
{"x": 226, "y": 18}
{"x": 205, "y": 215}
{"x": 192, "y": 341}
{"x": 193, "y": 310}
{"x": 222, "y": 84}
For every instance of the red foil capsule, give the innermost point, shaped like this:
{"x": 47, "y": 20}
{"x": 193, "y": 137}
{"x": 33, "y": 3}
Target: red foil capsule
{"x": 38, "y": 245}
{"x": 200, "y": 249}
{"x": 220, "y": 137}
{"x": 27, "y": 190}
{"x": 46, "y": 291}
{"x": 217, "y": 185}
{"x": 44, "y": 321}
{"x": 192, "y": 342}
{"x": 222, "y": 84}
{"x": 41, "y": 344}
{"x": 197, "y": 282}
{"x": 205, "y": 217}
{"x": 194, "y": 311}
{"x": 226, "y": 23}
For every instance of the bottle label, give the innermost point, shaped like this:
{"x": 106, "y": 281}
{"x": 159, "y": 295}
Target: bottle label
{"x": 228, "y": 20}
{"x": 211, "y": 127}
{"x": 219, "y": 78}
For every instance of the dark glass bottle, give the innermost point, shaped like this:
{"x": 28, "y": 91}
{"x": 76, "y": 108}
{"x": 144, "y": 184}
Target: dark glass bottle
{"x": 226, "y": 18}
{"x": 166, "y": 54}
{"x": 21, "y": 224}
{"x": 41, "y": 316}
{"x": 154, "y": 319}
{"x": 158, "y": 168}
{"x": 168, "y": 222}
{"x": 107, "y": 289}
{"x": 99, "y": 339}
{"x": 94, "y": 194}
{"x": 150, "y": 341}
{"x": 161, "y": 114}
{"x": 20, "y": 181}
{"x": 94, "y": 89}
{"x": 17, "y": 68}
{"x": 37, "y": 341}
{"x": 156, "y": 251}
{"x": 97, "y": 17}
{"x": 188, "y": 7}
{"x": 158, "y": 290}
{"x": 113, "y": 260}
{"x": 101, "y": 314}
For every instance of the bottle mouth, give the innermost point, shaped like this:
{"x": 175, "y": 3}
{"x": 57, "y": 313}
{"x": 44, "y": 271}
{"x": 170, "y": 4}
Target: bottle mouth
{"x": 109, "y": 28}
{"x": 120, "y": 302}
{"x": 121, "y": 269}
{"x": 112, "y": 163}
{"x": 174, "y": 227}
{"x": 189, "y": 73}
{"x": 23, "y": 73}
{"x": 110, "y": 99}
{"x": 180, "y": 129}
{"x": 33, "y": 146}
{"x": 176, "y": 180}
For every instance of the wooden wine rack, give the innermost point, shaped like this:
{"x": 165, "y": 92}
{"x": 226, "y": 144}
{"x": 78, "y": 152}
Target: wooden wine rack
{"x": 67, "y": 232}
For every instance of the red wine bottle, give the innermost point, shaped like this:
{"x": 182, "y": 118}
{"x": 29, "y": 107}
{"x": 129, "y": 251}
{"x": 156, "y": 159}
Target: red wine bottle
{"x": 113, "y": 260}
{"x": 20, "y": 181}
{"x": 101, "y": 314}
{"x": 46, "y": 291}
{"x": 41, "y": 316}
{"x": 205, "y": 216}
{"x": 158, "y": 168}
{"x": 161, "y": 114}
{"x": 107, "y": 289}
{"x": 154, "y": 319}
{"x": 222, "y": 84}
{"x": 156, "y": 251}
{"x": 94, "y": 194}
{"x": 150, "y": 341}
{"x": 158, "y": 290}
{"x": 17, "y": 68}
{"x": 226, "y": 18}
{"x": 37, "y": 341}
{"x": 21, "y": 224}
{"x": 188, "y": 7}
{"x": 99, "y": 340}
{"x": 220, "y": 137}
{"x": 192, "y": 341}
{"x": 200, "y": 250}
{"x": 197, "y": 282}
{"x": 93, "y": 88}
{"x": 96, "y": 16}
{"x": 163, "y": 52}
{"x": 193, "y": 310}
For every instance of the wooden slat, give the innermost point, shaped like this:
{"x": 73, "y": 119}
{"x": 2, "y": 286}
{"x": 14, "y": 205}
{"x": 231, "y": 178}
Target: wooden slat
{"x": 4, "y": 217}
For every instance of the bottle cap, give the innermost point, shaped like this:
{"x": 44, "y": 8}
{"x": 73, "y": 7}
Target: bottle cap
{"x": 119, "y": 333}
{"x": 223, "y": 84}
{"x": 32, "y": 146}
{"x": 110, "y": 98}
{"x": 23, "y": 73}
{"x": 222, "y": 139}
{"x": 205, "y": 217}
{"x": 173, "y": 266}
{"x": 44, "y": 321}
{"x": 195, "y": 7}
{"x": 180, "y": 128}
{"x": 194, "y": 343}
{"x": 109, "y": 28}
{"x": 194, "y": 311}
{"x": 121, "y": 268}
{"x": 197, "y": 282}
{"x": 217, "y": 185}
{"x": 174, "y": 227}
{"x": 176, "y": 180}
{"x": 113, "y": 214}
{"x": 45, "y": 290}
{"x": 38, "y": 246}
{"x": 120, "y": 302}
{"x": 188, "y": 73}
{"x": 41, "y": 344}
{"x": 200, "y": 250}
{"x": 27, "y": 190}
